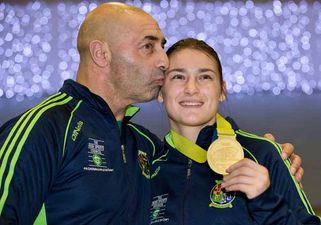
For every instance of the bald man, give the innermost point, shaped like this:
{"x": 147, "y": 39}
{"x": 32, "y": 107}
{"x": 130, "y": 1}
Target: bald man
{"x": 76, "y": 158}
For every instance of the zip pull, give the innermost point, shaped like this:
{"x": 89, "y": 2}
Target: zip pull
{"x": 189, "y": 168}
{"x": 123, "y": 153}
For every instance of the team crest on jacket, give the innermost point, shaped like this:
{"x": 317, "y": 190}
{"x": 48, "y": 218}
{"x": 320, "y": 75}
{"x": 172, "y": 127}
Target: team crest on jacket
{"x": 144, "y": 164}
{"x": 219, "y": 198}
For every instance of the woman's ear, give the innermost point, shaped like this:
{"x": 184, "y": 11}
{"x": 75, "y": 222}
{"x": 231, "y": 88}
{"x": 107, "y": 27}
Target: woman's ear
{"x": 160, "y": 97}
{"x": 223, "y": 92}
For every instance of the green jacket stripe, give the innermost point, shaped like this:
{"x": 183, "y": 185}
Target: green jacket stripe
{"x": 18, "y": 128}
{"x": 250, "y": 153}
{"x": 18, "y": 149}
{"x": 41, "y": 218}
{"x": 144, "y": 135}
{"x": 288, "y": 164}
{"x": 68, "y": 125}
{"x": 16, "y": 132}
{"x": 13, "y": 130}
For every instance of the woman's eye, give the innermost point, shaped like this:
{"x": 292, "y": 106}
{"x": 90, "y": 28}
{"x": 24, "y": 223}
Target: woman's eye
{"x": 206, "y": 77}
{"x": 178, "y": 77}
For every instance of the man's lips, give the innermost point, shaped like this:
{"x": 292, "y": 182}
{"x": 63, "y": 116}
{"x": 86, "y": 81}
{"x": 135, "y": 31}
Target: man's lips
{"x": 159, "y": 81}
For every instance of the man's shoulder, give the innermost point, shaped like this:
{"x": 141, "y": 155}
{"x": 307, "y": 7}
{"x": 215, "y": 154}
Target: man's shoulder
{"x": 54, "y": 110}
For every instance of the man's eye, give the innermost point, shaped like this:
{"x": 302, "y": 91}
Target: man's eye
{"x": 148, "y": 46}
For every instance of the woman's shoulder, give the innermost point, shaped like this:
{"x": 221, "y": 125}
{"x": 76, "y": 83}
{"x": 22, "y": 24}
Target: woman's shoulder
{"x": 260, "y": 149}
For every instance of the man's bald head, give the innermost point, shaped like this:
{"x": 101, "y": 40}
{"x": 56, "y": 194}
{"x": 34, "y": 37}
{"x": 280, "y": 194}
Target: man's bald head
{"x": 122, "y": 57}
{"x": 105, "y": 23}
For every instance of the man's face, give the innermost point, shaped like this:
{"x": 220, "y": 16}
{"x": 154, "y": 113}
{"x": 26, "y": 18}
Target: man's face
{"x": 138, "y": 60}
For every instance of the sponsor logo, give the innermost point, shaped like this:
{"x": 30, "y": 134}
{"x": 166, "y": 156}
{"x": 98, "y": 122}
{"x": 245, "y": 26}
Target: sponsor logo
{"x": 158, "y": 208}
{"x": 76, "y": 130}
{"x": 219, "y": 198}
{"x": 96, "y": 156}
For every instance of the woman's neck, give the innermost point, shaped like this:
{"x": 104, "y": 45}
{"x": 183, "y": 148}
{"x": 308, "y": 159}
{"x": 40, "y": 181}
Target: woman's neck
{"x": 191, "y": 133}
{"x": 188, "y": 131}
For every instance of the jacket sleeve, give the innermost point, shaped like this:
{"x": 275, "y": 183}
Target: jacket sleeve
{"x": 28, "y": 161}
{"x": 285, "y": 201}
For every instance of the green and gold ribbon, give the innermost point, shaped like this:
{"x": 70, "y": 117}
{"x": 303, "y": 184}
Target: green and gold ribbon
{"x": 192, "y": 150}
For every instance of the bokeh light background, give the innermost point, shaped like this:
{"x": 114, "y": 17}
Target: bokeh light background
{"x": 270, "y": 51}
{"x": 269, "y": 47}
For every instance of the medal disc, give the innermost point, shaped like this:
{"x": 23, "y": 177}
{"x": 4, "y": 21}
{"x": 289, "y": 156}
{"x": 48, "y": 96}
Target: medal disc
{"x": 222, "y": 153}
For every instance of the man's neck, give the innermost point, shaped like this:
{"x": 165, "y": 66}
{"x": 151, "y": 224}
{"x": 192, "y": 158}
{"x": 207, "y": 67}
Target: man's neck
{"x": 107, "y": 92}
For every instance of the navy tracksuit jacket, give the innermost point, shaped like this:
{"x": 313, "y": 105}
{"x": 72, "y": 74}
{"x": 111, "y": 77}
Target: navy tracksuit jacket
{"x": 188, "y": 193}
{"x": 66, "y": 161}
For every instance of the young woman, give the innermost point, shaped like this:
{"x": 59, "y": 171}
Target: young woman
{"x": 257, "y": 189}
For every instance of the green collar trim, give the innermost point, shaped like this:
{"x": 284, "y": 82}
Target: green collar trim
{"x": 131, "y": 111}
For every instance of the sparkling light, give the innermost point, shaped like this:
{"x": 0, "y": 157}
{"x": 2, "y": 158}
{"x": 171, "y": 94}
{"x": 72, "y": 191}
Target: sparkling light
{"x": 271, "y": 47}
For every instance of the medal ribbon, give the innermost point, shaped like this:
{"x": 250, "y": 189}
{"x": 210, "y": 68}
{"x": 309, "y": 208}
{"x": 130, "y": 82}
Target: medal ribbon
{"x": 192, "y": 150}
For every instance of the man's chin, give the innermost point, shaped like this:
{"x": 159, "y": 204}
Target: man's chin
{"x": 154, "y": 93}
{"x": 149, "y": 96}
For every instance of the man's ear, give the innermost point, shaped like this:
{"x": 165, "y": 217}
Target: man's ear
{"x": 100, "y": 53}
{"x": 160, "y": 97}
{"x": 223, "y": 92}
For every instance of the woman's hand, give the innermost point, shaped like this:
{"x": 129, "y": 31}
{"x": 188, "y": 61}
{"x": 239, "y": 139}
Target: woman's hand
{"x": 248, "y": 177}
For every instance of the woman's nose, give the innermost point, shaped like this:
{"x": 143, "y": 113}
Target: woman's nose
{"x": 191, "y": 86}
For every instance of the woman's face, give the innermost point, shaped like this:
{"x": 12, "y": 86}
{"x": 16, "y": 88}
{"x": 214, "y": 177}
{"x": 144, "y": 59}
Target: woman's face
{"x": 192, "y": 89}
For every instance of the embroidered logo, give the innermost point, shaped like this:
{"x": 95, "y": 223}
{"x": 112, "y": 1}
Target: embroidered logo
{"x": 143, "y": 163}
{"x": 96, "y": 156}
{"x": 219, "y": 198}
{"x": 145, "y": 166}
{"x": 158, "y": 207}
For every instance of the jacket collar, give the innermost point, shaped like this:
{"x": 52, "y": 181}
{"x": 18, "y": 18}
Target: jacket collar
{"x": 81, "y": 92}
{"x": 206, "y": 136}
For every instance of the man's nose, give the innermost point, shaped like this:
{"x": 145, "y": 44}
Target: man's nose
{"x": 163, "y": 61}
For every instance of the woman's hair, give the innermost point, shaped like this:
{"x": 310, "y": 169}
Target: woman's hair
{"x": 192, "y": 43}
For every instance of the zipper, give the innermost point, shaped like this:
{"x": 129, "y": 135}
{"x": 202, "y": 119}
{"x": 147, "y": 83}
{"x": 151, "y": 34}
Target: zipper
{"x": 189, "y": 169}
{"x": 123, "y": 153}
{"x": 188, "y": 179}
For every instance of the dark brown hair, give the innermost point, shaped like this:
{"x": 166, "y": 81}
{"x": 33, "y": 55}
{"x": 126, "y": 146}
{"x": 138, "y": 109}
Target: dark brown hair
{"x": 195, "y": 44}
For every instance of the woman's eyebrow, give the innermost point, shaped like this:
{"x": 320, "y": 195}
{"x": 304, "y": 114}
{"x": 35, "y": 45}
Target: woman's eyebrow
{"x": 176, "y": 70}
{"x": 206, "y": 70}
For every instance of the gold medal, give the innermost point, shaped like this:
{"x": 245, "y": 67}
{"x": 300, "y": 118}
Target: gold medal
{"x": 221, "y": 154}
{"x": 224, "y": 152}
